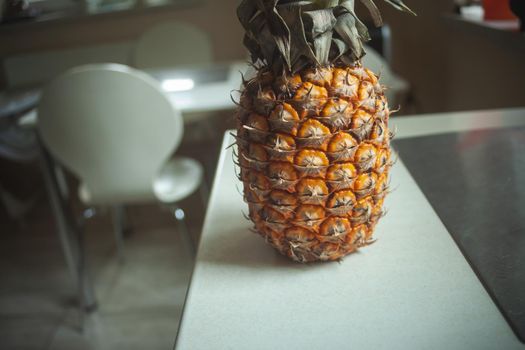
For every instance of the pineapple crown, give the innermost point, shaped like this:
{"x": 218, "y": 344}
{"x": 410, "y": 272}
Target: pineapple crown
{"x": 290, "y": 35}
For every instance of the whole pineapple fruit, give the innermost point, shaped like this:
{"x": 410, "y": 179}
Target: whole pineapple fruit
{"x": 313, "y": 143}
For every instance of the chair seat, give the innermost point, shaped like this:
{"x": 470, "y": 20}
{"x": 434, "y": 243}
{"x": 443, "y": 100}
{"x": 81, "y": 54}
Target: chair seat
{"x": 179, "y": 178}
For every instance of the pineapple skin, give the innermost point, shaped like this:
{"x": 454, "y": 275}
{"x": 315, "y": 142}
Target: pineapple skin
{"x": 313, "y": 151}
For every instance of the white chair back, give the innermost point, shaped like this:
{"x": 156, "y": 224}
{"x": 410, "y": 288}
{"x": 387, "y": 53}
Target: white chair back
{"x": 113, "y": 127}
{"x": 171, "y": 44}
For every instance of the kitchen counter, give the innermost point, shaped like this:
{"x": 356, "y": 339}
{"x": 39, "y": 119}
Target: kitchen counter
{"x": 412, "y": 289}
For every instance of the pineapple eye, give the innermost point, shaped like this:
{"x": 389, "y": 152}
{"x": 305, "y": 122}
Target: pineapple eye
{"x": 328, "y": 251}
{"x": 250, "y": 196}
{"x": 378, "y": 131}
{"x": 372, "y": 76}
{"x": 312, "y": 188}
{"x": 285, "y": 113}
{"x": 282, "y": 142}
{"x": 279, "y": 197}
{"x": 272, "y": 216}
{"x": 309, "y": 91}
{"x": 311, "y": 158}
{"x": 341, "y": 172}
{"x": 298, "y": 234}
{"x": 257, "y": 152}
{"x": 365, "y": 156}
{"x": 257, "y": 180}
{"x": 342, "y": 199}
{"x": 313, "y": 128}
{"x": 309, "y": 213}
{"x": 366, "y": 91}
{"x": 362, "y": 209}
{"x": 345, "y": 84}
{"x": 258, "y": 122}
{"x": 383, "y": 157}
{"x": 361, "y": 119}
{"x": 377, "y": 210}
{"x": 282, "y": 171}
{"x": 336, "y": 106}
{"x": 381, "y": 185}
{"x": 318, "y": 76}
{"x": 335, "y": 226}
{"x": 365, "y": 182}
{"x": 361, "y": 233}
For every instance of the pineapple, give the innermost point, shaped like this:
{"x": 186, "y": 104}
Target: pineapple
{"x": 313, "y": 144}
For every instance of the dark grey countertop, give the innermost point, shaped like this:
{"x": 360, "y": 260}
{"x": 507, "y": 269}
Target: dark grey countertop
{"x": 475, "y": 180}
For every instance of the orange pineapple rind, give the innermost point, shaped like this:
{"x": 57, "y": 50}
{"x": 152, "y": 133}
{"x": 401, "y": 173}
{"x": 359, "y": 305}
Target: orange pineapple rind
{"x": 284, "y": 118}
{"x": 362, "y": 211}
{"x": 287, "y": 86}
{"x": 312, "y": 191}
{"x": 313, "y": 134}
{"x": 282, "y": 198}
{"x": 342, "y": 147}
{"x": 341, "y": 203}
{"x": 381, "y": 188}
{"x": 365, "y": 156}
{"x": 318, "y": 76}
{"x": 341, "y": 176}
{"x": 365, "y": 184}
{"x": 379, "y": 133}
{"x": 247, "y": 162}
{"x": 344, "y": 84}
{"x": 265, "y": 101}
{"x": 335, "y": 229}
{"x": 315, "y": 160}
{"x": 337, "y": 113}
{"x": 309, "y": 99}
{"x": 282, "y": 176}
{"x": 367, "y": 96}
{"x": 362, "y": 123}
{"x": 248, "y": 133}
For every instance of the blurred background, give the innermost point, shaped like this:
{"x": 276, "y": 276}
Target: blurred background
{"x": 76, "y": 274}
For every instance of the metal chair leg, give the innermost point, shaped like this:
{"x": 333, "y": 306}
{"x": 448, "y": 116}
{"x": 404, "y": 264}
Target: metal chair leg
{"x": 118, "y": 214}
{"x": 69, "y": 233}
{"x": 61, "y": 181}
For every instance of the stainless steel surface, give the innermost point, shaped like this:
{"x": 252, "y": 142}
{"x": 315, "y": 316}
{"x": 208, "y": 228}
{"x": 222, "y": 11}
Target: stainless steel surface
{"x": 475, "y": 181}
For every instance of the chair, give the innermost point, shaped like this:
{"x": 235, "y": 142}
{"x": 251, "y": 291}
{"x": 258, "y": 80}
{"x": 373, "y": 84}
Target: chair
{"x": 18, "y": 145}
{"x": 115, "y": 129}
{"x": 172, "y": 44}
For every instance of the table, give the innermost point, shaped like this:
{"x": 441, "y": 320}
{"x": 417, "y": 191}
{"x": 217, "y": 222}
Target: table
{"x": 212, "y": 86}
{"x": 413, "y": 289}
{"x": 211, "y": 91}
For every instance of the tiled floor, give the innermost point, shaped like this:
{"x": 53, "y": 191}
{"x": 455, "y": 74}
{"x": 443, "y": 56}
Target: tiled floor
{"x": 139, "y": 301}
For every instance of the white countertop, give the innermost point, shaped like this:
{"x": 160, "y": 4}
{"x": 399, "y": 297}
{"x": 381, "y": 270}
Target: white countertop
{"x": 412, "y": 289}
